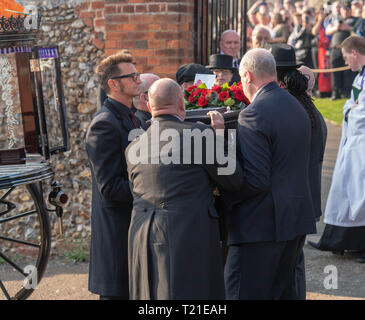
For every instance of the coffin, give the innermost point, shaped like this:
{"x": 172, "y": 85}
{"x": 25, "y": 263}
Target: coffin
{"x": 230, "y": 116}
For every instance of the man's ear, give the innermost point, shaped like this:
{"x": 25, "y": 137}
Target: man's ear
{"x": 355, "y": 53}
{"x": 142, "y": 96}
{"x": 250, "y": 76}
{"x": 111, "y": 84}
{"x": 247, "y": 75}
{"x": 182, "y": 109}
{"x": 149, "y": 107}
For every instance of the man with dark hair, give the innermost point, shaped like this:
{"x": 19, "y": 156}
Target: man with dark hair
{"x": 296, "y": 83}
{"x": 106, "y": 140}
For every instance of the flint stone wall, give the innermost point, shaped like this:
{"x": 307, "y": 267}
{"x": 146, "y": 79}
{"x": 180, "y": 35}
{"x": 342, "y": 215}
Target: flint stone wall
{"x": 62, "y": 26}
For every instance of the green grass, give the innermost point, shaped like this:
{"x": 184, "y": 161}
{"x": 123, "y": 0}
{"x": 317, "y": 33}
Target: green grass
{"x": 331, "y": 110}
{"x": 80, "y": 253}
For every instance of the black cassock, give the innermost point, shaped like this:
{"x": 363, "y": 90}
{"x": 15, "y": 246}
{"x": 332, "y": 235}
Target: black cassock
{"x": 106, "y": 141}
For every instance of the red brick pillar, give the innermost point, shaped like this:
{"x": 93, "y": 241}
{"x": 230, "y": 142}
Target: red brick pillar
{"x": 158, "y": 33}
{"x": 93, "y": 15}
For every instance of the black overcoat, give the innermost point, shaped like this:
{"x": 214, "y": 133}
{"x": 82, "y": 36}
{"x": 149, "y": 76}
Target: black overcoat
{"x": 106, "y": 141}
{"x": 174, "y": 249}
{"x": 274, "y": 137}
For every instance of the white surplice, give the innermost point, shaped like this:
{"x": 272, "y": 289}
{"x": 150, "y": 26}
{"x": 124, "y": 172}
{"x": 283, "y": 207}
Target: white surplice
{"x": 346, "y": 199}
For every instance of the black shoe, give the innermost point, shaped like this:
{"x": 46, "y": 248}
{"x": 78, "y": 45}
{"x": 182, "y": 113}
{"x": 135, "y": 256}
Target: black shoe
{"x": 361, "y": 259}
{"x": 315, "y": 245}
{"x": 335, "y": 97}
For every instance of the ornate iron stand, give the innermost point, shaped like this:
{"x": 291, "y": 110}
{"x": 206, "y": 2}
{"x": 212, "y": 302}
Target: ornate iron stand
{"x": 33, "y": 117}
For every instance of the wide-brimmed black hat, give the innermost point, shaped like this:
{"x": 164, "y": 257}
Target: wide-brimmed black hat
{"x": 221, "y": 61}
{"x": 284, "y": 55}
{"x": 188, "y": 71}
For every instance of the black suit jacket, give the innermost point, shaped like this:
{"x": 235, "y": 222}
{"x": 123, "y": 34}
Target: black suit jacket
{"x": 274, "y": 137}
{"x": 106, "y": 141}
{"x": 174, "y": 222}
{"x": 143, "y": 117}
{"x": 236, "y": 76}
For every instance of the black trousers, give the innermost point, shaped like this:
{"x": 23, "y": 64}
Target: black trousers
{"x": 263, "y": 271}
{"x": 300, "y": 278}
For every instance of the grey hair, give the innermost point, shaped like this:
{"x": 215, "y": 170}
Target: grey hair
{"x": 147, "y": 80}
{"x": 229, "y": 31}
{"x": 260, "y": 62}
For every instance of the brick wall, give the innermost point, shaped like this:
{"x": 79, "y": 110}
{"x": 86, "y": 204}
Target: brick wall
{"x": 158, "y": 33}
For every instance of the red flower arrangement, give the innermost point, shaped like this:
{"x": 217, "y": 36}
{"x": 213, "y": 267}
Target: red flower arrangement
{"x": 218, "y": 96}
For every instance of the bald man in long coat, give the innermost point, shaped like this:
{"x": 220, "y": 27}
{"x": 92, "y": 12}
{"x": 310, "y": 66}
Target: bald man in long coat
{"x": 174, "y": 248}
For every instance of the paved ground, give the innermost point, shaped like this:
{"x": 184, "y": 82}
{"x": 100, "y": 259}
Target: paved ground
{"x": 67, "y": 281}
{"x": 351, "y": 274}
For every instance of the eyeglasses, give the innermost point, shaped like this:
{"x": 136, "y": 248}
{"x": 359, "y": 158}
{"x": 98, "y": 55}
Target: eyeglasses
{"x": 133, "y": 75}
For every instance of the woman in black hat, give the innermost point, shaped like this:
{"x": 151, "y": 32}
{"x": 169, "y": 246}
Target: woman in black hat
{"x": 296, "y": 84}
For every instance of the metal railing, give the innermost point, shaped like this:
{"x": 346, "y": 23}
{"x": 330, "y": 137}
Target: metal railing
{"x": 212, "y": 17}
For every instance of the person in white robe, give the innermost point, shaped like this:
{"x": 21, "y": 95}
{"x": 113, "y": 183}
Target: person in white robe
{"x": 345, "y": 209}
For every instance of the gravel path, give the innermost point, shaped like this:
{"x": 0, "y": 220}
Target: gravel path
{"x": 68, "y": 281}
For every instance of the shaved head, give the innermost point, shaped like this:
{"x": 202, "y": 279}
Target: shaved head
{"x": 166, "y": 97}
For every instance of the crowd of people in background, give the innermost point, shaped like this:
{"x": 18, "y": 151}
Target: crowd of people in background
{"x": 147, "y": 216}
{"x": 314, "y": 32}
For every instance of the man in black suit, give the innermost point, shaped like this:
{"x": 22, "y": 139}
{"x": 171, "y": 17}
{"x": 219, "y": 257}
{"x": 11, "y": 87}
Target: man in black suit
{"x": 174, "y": 248}
{"x": 230, "y": 43}
{"x": 266, "y": 230}
{"x": 106, "y": 141}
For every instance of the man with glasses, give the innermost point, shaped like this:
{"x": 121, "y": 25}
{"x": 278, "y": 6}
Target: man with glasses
{"x": 112, "y": 201}
{"x": 140, "y": 101}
